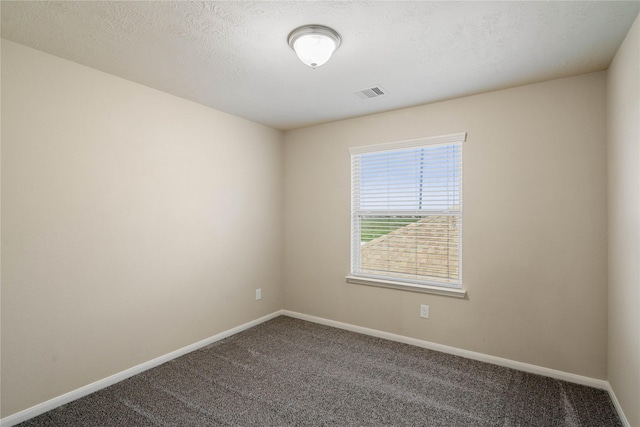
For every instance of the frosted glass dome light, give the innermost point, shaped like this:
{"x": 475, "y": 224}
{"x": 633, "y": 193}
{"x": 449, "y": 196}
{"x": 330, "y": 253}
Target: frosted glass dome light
{"x": 314, "y": 44}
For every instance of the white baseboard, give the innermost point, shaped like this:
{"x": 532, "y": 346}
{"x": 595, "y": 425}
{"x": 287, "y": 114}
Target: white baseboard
{"x": 106, "y": 382}
{"x": 614, "y": 399}
{"x": 41, "y": 408}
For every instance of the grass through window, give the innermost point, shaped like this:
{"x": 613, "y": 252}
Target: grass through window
{"x": 372, "y": 228}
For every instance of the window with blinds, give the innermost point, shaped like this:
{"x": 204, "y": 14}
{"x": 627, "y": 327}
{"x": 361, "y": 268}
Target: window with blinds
{"x": 406, "y": 213}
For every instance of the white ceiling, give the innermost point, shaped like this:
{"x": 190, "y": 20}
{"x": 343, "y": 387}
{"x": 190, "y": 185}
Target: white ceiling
{"x": 234, "y": 56}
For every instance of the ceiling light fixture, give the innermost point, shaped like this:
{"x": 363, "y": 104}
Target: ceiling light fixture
{"x": 314, "y": 44}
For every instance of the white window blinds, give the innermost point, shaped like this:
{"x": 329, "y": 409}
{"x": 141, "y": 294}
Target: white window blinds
{"x": 406, "y": 215}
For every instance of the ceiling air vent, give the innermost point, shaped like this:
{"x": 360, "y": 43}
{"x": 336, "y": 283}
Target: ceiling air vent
{"x": 372, "y": 92}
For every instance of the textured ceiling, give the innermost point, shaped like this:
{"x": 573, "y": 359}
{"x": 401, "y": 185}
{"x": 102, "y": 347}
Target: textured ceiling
{"x": 234, "y": 56}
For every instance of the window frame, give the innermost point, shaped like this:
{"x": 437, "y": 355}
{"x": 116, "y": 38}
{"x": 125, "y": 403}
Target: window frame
{"x": 416, "y": 285}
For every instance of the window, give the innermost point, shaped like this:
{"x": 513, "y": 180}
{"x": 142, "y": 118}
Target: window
{"x": 406, "y": 214}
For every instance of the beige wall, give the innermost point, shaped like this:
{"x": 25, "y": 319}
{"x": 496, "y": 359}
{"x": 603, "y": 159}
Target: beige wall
{"x": 534, "y": 251}
{"x": 133, "y": 223}
{"x": 624, "y": 224}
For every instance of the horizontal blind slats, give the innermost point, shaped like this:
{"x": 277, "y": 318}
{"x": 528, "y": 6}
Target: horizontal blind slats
{"x": 406, "y": 213}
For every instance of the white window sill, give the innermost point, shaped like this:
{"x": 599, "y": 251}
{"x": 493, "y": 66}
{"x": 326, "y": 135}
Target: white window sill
{"x": 427, "y": 289}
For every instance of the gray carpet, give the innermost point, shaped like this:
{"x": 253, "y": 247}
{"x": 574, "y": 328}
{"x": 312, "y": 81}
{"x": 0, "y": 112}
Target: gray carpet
{"x": 287, "y": 372}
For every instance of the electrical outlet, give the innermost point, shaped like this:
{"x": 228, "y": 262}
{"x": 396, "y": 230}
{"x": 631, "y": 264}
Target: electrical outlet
{"x": 424, "y": 311}
{"x": 258, "y": 294}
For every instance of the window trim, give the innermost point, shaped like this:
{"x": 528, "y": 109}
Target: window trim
{"x": 451, "y": 138}
{"x": 439, "y": 289}
{"x": 425, "y": 289}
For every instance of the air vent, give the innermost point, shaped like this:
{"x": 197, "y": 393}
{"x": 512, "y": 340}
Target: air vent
{"x": 372, "y": 92}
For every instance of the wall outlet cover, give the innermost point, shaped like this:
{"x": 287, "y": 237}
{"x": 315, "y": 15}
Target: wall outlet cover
{"x": 424, "y": 311}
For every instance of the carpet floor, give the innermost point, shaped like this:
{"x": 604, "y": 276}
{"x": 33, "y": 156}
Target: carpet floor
{"x": 288, "y": 372}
